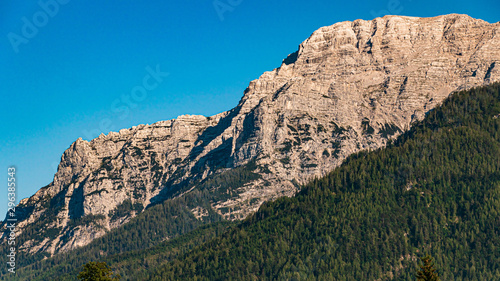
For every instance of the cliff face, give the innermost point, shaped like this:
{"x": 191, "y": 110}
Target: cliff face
{"x": 350, "y": 86}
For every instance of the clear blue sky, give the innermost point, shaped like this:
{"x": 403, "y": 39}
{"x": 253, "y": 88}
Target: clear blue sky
{"x": 66, "y": 71}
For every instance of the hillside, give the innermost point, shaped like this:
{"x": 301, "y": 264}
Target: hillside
{"x": 133, "y": 265}
{"x": 435, "y": 189}
{"x": 351, "y": 86}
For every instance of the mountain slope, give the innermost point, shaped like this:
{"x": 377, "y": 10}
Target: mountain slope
{"x": 132, "y": 265}
{"x": 435, "y": 190}
{"x": 349, "y": 87}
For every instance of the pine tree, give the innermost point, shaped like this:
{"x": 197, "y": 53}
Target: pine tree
{"x": 97, "y": 271}
{"x": 427, "y": 271}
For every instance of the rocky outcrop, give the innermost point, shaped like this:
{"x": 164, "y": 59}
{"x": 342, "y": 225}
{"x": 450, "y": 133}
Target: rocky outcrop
{"x": 350, "y": 86}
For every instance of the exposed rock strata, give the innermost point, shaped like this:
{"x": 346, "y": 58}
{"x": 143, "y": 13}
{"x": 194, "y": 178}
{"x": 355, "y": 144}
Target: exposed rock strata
{"x": 350, "y": 86}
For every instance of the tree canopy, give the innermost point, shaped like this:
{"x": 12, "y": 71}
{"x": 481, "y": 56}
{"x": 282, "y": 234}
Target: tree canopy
{"x": 427, "y": 271}
{"x": 97, "y": 271}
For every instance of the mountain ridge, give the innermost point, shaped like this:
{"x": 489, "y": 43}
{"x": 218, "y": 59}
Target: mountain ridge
{"x": 434, "y": 189}
{"x": 350, "y": 86}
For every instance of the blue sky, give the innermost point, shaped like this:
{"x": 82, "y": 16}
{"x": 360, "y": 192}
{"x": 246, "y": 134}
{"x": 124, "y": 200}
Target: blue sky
{"x": 71, "y": 69}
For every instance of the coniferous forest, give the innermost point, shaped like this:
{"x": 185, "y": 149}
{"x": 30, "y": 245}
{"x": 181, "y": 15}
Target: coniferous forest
{"x": 435, "y": 190}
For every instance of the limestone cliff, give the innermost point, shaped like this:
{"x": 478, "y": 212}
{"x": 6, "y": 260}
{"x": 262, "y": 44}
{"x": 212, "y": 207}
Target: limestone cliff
{"x": 350, "y": 86}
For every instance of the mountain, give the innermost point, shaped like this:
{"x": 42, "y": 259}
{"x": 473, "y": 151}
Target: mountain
{"x": 435, "y": 189}
{"x": 351, "y": 86}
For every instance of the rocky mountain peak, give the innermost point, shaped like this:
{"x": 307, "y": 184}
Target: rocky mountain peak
{"x": 350, "y": 86}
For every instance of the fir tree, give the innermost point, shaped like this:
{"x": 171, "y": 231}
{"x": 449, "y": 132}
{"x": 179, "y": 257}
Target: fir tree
{"x": 427, "y": 271}
{"x": 97, "y": 271}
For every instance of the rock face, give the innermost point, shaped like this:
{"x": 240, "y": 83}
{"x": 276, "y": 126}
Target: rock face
{"x": 349, "y": 87}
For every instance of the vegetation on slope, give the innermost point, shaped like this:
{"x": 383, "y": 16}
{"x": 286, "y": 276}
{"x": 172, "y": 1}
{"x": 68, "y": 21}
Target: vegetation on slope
{"x": 165, "y": 220}
{"x": 435, "y": 190}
